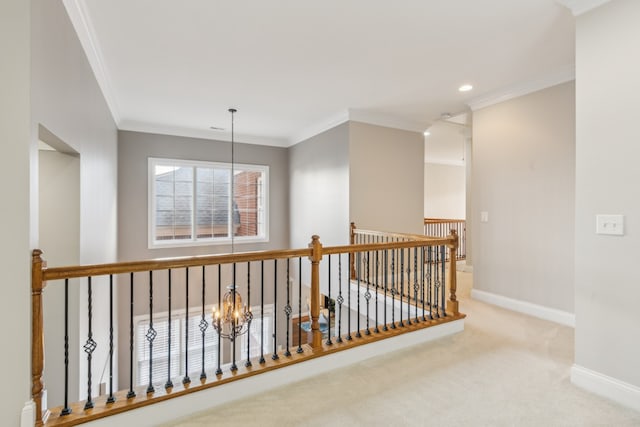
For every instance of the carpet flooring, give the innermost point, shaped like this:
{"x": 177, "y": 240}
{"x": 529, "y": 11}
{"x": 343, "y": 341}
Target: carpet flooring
{"x": 505, "y": 369}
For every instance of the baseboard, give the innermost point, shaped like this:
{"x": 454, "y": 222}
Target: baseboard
{"x": 28, "y": 417}
{"x": 605, "y": 386}
{"x": 468, "y": 269}
{"x": 540, "y": 311}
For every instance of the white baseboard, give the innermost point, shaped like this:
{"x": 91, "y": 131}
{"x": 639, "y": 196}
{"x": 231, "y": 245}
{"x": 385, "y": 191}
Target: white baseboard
{"x": 28, "y": 416}
{"x": 468, "y": 269}
{"x": 191, "y": 404}
{"x": 605, "y": 386}
{"x": 540, "y": 311}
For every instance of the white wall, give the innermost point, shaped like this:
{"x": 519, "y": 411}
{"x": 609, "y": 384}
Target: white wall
{"x": 386, "y": 178}
{"x": 523, "y": 176}
{"x": 15, "y": 292}
{"x": 444, "y": 191}
{"x": 66, "y": 99}
{"x": 607, "y": 174}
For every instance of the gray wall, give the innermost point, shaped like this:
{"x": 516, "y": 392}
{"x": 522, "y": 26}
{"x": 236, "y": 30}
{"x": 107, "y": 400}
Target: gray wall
{"x": 15, "y": 24}
{"x": 66, "y": 99}
{"x": 444, "y": 191}
{"x": 319, "y": 188}
{"x": 134, "y": 149}
{"x": 523, "y": 176}
{"x": 607, "y": 175}
{"x": 386, "y": 178}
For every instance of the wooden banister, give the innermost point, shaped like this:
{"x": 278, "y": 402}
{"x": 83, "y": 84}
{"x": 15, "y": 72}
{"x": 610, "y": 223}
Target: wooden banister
{"x": 452, "y": 303}
{"x": 315, "y": 258}
{"x": 37, "y": 335}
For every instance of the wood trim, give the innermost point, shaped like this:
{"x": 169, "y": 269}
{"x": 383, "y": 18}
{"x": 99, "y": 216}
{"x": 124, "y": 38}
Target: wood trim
{"x": 37, "y": 335}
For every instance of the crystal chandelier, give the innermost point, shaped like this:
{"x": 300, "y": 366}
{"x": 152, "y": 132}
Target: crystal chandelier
{"x": 231, "y": 319}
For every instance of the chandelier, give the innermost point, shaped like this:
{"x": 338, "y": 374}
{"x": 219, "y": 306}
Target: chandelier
{"x": 231, "y": 319}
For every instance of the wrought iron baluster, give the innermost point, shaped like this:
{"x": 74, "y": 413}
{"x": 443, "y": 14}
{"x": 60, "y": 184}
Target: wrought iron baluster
{"x": 430, "y": 281}
{"x": 217, "y": 320}
{"x": 386, "y": 286}
{"x": 393, "y": 288}
{"x": 111, "y": 397}
{"x": 443, "y": 251}
{"x": 416, "y": 286}
{"x": 436, "y": 273}
{"x": 262, "y": 361}
{"x": 349, "y": 338}
{"x": 233, "y": 337}
{"x": 287, "y": 310}
{"x": 248, "y": 362}
{"x": 367, "y": 294}
{"x": 339, "y": 300}
{"x": 203, "y": 326}
{"x": 300, "y": 350}
{"x": 402, "y": 274}
{"x": 422, "y": 250}
{"x": 358, "y": 335}
{"x": 131, "y": 393}
{"x": 89, "y": 346}
{"x": 329, "y": 342}
{"x": 151, "y": 335}
{"x": 66, "y": 410}
{"x": 186, "y": 380}
{"x": 377, "y": 330}
{"x": 275, "y": 356}
{"x": 169, "y": 383}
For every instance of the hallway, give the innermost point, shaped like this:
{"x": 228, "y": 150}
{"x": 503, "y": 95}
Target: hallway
{"x": 505, "y": 369}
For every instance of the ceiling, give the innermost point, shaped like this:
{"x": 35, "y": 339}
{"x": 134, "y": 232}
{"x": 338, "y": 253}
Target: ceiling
{"x": 293, "y": 68}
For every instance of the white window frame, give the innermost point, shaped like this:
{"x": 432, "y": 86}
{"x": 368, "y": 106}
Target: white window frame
{"x": 263, "y": 210}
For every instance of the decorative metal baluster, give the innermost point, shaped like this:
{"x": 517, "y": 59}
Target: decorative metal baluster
{"x": 203, "y": 326}
{"x": 287, "y": 310}
{"x": 169, "y": 383}
{"x": 429, "y": 280}
{"x": 300, "y": 350}
{"x": 367, "y": 294}
{"x": 443, "y": 252}
{"x": 248, "y": 362}
{"x": 89, "y": 346}
{"x": 436, "y": 275}
{"x": 151, "y": 335}
{"x": 262, "y": 361}
{"x": 422, "y": 273}
{"x": 275, "y": 356}
{"x": 377, "y": 330}
{"x": 186, "y": 380}
{"x": 131, "y": 394}
{"x": 393, "y": 289}
{"x": 111, "y": 397}
{"x": 66, "y": 410}
{"x": 386, "y": 286}
{"x": 329, "y": 342}
{"x": 408, "y": 287}
{"x": 416, "y": 286}
{"x": 358, "y": 335}
{"x": 402, "y": 273}
{"x": 339, "y": 300}
{"x": 234, "y": 367}
{"x": 349, "y": 338}
{"x": 219, "y": 330}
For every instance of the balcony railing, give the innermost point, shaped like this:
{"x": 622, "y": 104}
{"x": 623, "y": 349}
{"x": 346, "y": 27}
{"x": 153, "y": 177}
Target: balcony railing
{"x": 440, "y": 227}
{"x": 381, "y": 285}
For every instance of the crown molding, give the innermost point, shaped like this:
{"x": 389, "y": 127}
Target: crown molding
{"x": 578, "y": 7}
{"x": 319, "y": 127}
{"x": 79, "y": 16}
{"x": 386, "y": 120}
{"x": 201, "y": 133}
{"x": 516, "y": 91}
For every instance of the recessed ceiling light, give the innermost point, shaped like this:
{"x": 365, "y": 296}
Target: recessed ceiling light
{"x": 465, "y": 88}
{"x": 427, "y": 133}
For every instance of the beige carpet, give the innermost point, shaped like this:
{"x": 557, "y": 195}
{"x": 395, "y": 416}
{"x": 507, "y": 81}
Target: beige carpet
{"x": 505, "y": 369}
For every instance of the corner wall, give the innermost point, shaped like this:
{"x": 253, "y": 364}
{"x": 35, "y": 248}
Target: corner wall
{"x": 523, "y": 177}
{"x": 607, "y": 175}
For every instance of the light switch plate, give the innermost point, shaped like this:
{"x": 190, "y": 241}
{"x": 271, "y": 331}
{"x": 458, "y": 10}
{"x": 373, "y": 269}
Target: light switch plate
{"x": 610, "y": 224}
{"x": 484, "y": 216}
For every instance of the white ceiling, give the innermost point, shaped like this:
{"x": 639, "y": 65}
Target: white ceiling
{"x": 295, "y": 67}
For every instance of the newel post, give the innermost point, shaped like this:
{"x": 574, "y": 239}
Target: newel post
{"x": 352, "y": 241}
{"x": 452, "y": 303}
{"x": 37, "y": 335}
{"x": 316, "y": 257}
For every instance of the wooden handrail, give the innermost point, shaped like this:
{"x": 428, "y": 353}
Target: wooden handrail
{"x": 315, "y": 252}
{"x": 442, "y": 220}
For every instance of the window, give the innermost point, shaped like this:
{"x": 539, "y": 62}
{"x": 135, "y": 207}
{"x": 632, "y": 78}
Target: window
{"x": 190, "y": 203}
{"x": 160, "y": 350}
